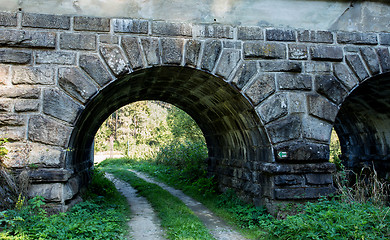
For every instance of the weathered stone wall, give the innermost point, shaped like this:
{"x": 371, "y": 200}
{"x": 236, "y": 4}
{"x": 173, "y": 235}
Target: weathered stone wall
{"x": 265, "y": 98}
{"x": 319, "y": 15}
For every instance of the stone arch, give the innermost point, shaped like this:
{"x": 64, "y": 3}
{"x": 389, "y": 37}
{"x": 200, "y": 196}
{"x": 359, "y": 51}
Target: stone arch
{"x": 234, "y": 135}
{"x": 363, "y": 98}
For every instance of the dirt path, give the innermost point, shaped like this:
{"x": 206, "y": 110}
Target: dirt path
{"x": 144, "y": 224}
{"x": 219, "y": 229}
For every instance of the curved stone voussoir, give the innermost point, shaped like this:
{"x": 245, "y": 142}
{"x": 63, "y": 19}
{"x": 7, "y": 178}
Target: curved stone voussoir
{"x": 321, "y": 107}
{"x": 228, "y": 62}
{"x": 172, "y": 50}
{"x": 328, "y": 86}
{"x": 356, "y": 64}
{"x": 115, "y": 59}
{"x": 261, "y": 88}
{"x": 285, "y": 129}
{"x": 92, "y": 65}
{"x": 244, "y": 73}
{"x": 151, "y": 50}
{"x": 211, "y": 52}
{"x": 59, "y": 105}
{"x": 132, "y": 48}
{"x": 273, "y": 107}
{"x": 345, "y": 76}
{"x": 316, "y": 129}
{"x": 384, "y": 59}
{"x": 192, "y": 52}
{"x": 371, "y": 59}
{"x": 76, "y": 83}
{"x": 45, "y": 130}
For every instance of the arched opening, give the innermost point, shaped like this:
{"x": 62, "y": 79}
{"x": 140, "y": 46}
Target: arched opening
{"x": 363, "y": 126}
{"x": 235, "y": 138}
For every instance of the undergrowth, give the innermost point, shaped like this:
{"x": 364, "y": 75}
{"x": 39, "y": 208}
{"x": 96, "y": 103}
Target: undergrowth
{"x": 102, "y": 216}
{"x": 333, "y": 218}
{"x": 177, "y": 219}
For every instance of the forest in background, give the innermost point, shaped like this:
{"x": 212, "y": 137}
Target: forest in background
{"x": 141, "y": 129}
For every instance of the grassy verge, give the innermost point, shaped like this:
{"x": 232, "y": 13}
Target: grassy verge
{"x": 102, "y": 216}
{"x": 178, "y": 220}
{"x": 325, "y": 219}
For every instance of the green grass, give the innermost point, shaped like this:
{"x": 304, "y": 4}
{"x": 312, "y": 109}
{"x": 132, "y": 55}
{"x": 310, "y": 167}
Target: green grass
{"x": 177, "y": 219}
{"x": 325, "y": 219}
{"x": 102, "y": 216}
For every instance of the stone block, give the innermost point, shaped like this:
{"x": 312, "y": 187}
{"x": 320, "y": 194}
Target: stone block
{"x": 280, "y": 66}
{"x": 343, "y": 74}
{"x": 71, "y": 188}
{"x": 297, "y": 102}
{"x": 91, "y": 24}
{"x": 214, "y": 31}
{"x": 244, "y": 73}
{"x": 133, "y": 50}
{"x": 317, "y": 67}
{"x": 357, "y": 38}
{"x": 280, "y": 35}
{"x": 45, "y": 21}
{"x": 289, "y": 180}
{"x": 211, "y": 53}
{"x": 302, "y": 193}
{"x": 4, "y": 74}
{"x": 127, "y": 25}
{"x": 228, "y": 62}
{"x": 49, "y": 175}
{"x": 328, "y": 86}
{"x": 273, "y": 107}
{"x": 384, "y": 38}
{"x": 305, "y": 147}
{"x": 26, "y": 105}
{"x": 52, "y": 192}
{"x": 171, "y": 29}
{"x": 13, "y": 133}
{"x": 15, "y": 56}
{"x": 44, "y": 130}
{"x": 371, "y": 59}
{"x": 72, "y": 41}
{"x": 8, "y": 19}
{"x": 20, "y": 92}
{"x": 319, "y": 179}
{"x": 261, "y": 88}
{"x": 321, "y": 107}
{"x": 297, "y": 52}
{"x": 326, "y": 53}
{"x": 294, "y": 81}
{"x": 55, "y": 57}
{"x": 33, "y": 75}
{"x": 172, "y": 50}
{"x": 18, "y": 38}
{"x": 285, "y": 129}
{"x": 315, "y": 36}
{"x": 192, "y": 52}
{"x": 232, "y": 44}
{"x": 250, "y": 33}
{"x": 114, "y": 59}
{"x": 357, "y": 66}
{"x": 316, "y": 129}
{"x": 384, "y": 59}
{"x": 151, "y": 50}
{"x": 264, "y": 50}
{"x": 59, "y": 105}
{"x": 77, "y": 84}
{"x": 11, "y": 119}
{"x": 6, "y": 105}
{"x": 93, "y": 66}
{"x": 109, "y": 39}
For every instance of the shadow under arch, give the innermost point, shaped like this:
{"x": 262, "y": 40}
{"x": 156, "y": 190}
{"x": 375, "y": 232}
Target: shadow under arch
{"x": 363, "y": 126}
{"x": 235, "y": 138}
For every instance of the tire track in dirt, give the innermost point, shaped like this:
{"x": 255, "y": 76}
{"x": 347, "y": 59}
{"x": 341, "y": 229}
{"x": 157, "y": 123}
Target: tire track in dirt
{"x": 144, "y": 223}
{"x": 218, "y": 228}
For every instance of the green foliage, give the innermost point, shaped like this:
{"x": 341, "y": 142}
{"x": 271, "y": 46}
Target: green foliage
{"x": 178, "y": 220}
{"x": 3, "y": 150}
{"x": 103, "y": 216}
{"x": 331, "y": 219}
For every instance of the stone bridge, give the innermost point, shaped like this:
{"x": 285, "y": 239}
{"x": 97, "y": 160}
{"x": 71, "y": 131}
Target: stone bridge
{"x": 266, "y": 99}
